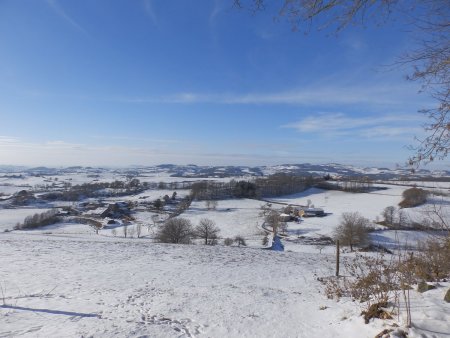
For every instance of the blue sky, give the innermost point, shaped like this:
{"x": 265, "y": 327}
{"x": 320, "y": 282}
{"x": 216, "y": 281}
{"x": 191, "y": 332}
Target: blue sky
{"x": 148, "y": 82}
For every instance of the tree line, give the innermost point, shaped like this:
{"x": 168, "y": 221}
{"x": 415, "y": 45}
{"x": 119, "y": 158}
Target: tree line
{"x": 273, "y": 185}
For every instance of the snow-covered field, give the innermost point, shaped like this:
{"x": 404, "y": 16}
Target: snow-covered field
{"x": 234, "y": 217}
{"x": 370, "y": 205}
{"x": 92, "y": 286}
{"x": 64, "y": 280}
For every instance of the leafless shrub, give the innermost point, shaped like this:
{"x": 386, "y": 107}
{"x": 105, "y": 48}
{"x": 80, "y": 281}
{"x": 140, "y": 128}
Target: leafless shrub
{"x": 379, "y": 282}
{"x": 373, "y": 282}
{"x": 239, "y": 240}
{"x": 228, "y": 241}
{"x": 432, "y": 262}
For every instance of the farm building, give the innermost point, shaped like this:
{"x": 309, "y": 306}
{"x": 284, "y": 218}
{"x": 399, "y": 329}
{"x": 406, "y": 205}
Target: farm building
{"x": 314, "y": 212}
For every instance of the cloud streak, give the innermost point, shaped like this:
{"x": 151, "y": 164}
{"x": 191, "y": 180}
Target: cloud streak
{"x": 59, "y": 10}
{"x": 59, "y": 153}
{"x": 150, "y": 11}
{"x": 370, "y": 127}
{"x": 375, "y": 95}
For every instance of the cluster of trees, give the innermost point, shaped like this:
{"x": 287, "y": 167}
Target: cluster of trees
{"x": 94, "y": 189}
{"x": 363, "y": 184}
{"x": 273, "y": 185}
{"x": 413, "y": 197}
{"x": 209, "y": 190}
{"x": 39, "y": 220}
{"x": 394, "y": 217}
{"x": 272, "y": 219}
{"x": 284, "y": 184}
{"x": 181, "y": 231}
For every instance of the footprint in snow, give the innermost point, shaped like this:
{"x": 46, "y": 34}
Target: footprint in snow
{"x": 186, "y": 327}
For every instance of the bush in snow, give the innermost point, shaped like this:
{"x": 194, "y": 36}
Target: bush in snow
{"x": 413, "y": 197}
{"x": 240, "y": 241}
{"x": 228, "y": 241}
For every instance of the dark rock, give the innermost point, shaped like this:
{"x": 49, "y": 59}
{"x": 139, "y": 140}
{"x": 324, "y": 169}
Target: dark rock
{"x": 424, "y": 287}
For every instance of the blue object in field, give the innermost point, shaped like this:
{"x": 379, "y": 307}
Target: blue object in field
{"x": 276, "y": 244}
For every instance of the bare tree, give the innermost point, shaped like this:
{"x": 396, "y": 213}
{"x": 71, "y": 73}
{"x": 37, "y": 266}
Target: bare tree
{"x": 352, "y": 230}
{"x": 211, "y": 204}
{"x": 273, "y": 220}
{"x": 138, "y": 229}
{"x": 403, "y": 219}
{"x": 125, "y": 230}
{"x": 283, "y": 227}
{"x": 207, "y": 230}
{"x": 214, "y": 204}
{"x": 429, "y": 23}
{"x": 389, "y": 214}
{"x": 208, "y": 204}
{"x": 175, "y": 230}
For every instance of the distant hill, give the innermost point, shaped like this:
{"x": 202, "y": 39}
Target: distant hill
{"x": 335, "y": 170}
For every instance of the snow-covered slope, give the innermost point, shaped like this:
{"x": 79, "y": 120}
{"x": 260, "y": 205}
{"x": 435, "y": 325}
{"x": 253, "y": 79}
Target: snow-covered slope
{"x": 92, "y": 286}
{"x": 61, "y": 287}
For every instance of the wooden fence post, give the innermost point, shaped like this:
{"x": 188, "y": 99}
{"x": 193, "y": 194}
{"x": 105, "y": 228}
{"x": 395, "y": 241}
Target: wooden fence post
{"x": 337, "y": 258}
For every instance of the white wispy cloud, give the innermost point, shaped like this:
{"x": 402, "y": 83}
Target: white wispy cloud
{"x": 323, "y": 95}
{"x": 59, "y": 10}
{"x": 136, "y": 139}
{"x": 60, "y": 153}
{"x": 217, "y": 8}
{"x": 371, "y": 127}
{"x": 150, "y": 11}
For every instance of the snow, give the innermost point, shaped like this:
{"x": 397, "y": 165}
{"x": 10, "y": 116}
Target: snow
{"x": 370, "y": 205}
{"x": 233, "y": 217}
{"x": 64, "y": 280}
{"x": 110, "y": 288}
{"x": 103, "y": 287}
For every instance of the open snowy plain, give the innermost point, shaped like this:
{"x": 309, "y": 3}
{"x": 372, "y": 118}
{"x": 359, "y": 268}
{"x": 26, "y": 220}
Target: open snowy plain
{"x": 64, "y": 280}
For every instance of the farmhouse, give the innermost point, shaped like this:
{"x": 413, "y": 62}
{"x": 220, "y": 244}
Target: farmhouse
{"x": 314, "y": 212}
{"x": 116, "y": 210}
